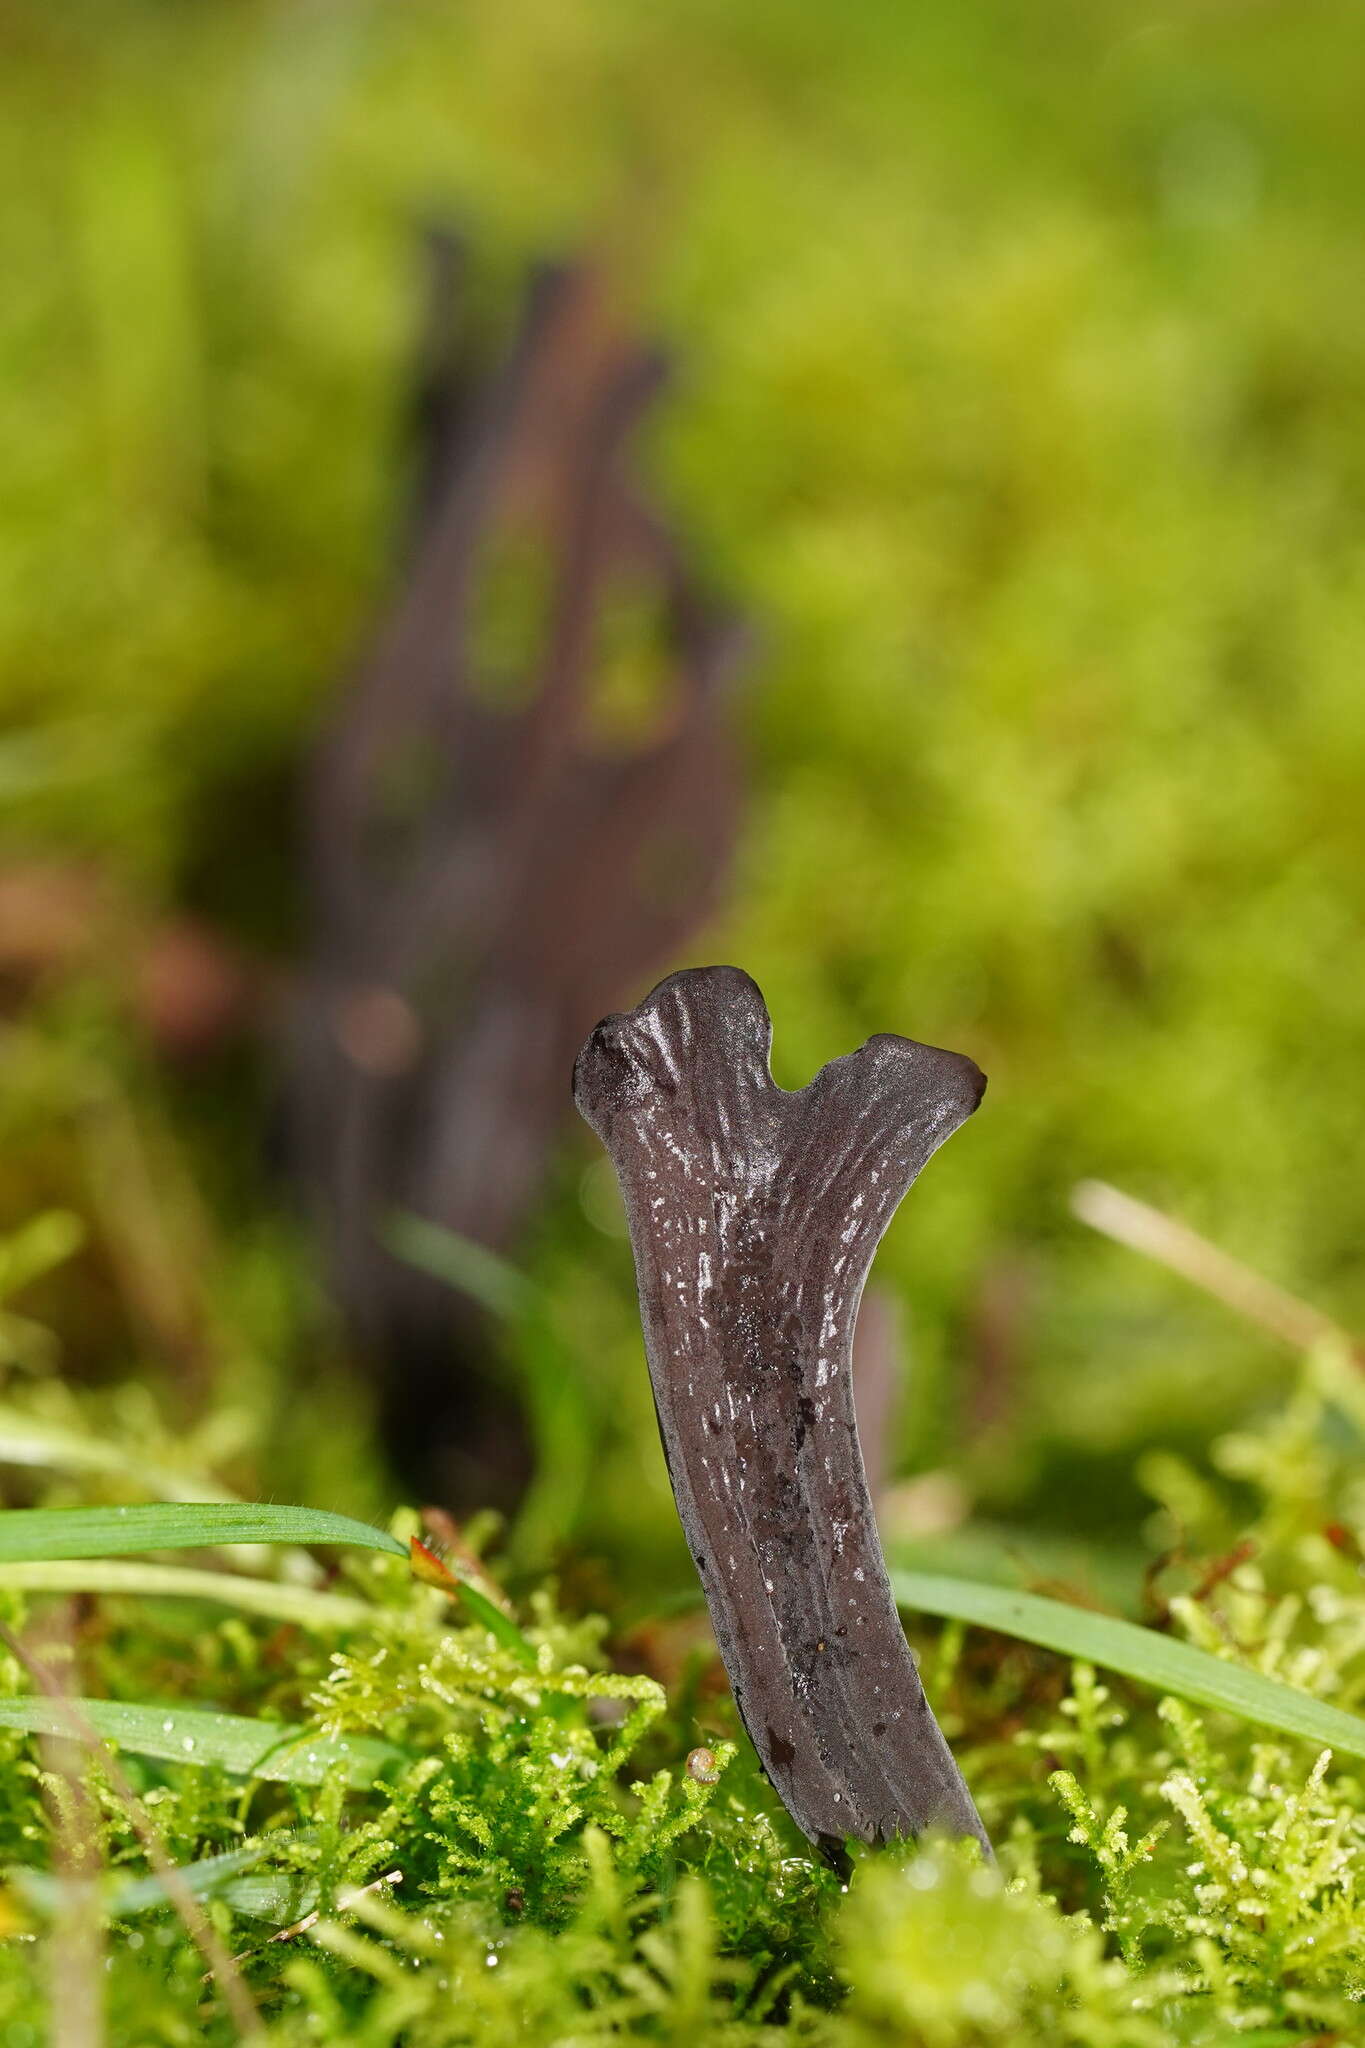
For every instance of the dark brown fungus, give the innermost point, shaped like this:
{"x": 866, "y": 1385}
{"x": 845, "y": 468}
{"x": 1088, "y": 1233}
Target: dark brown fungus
{"x": 754, "y": 1214}
{"x": 491, "y": 857}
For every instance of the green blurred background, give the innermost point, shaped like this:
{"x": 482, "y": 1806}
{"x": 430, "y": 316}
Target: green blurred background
{"x": 1021, "y": 405}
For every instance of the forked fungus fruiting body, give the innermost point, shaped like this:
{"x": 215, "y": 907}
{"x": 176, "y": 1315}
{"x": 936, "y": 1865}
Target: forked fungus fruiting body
{"x": 754, "y": 1214}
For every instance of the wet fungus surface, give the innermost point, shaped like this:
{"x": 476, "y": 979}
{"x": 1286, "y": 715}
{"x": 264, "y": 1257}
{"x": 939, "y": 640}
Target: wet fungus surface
{"x": 754, "y": 1214}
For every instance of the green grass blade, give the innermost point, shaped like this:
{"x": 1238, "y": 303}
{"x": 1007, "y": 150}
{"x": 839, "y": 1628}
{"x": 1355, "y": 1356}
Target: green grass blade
{"x": 30, "y": 1442}
{"x": 557, "y": 1405}
{"x": 433, "y": 1570}
{"x": 212, "y": 1876}
{"x": 1075, "y": 1568}
{"x": 305, "y": 1605}
{"x": 124, "y": 1897}
{"x": 1139, "y": 1653}
{"x": 500, "y": 1626}
{"x": 468, "y": 1267}
{"x": 34, "y": 1534}
{"x": 327, "y": 1612}
{"x": 41, "y": 1244}
{"x": 302, "y": 1604}
{"x": 278, "y": 1897}
{"x": 195, "y": 1735}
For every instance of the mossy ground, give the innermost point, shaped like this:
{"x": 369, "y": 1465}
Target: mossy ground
{"x": 547, "y": 1861}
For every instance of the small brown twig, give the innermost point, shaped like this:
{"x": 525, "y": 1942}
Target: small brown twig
{"x": 1184, "y": 1251}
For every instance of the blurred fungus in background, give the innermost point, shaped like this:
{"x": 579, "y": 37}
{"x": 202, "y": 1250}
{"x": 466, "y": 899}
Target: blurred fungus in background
{"x": 525, "y": 804}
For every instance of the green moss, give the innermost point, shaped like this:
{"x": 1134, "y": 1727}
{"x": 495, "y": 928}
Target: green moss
{"x": 540, "y": 1864}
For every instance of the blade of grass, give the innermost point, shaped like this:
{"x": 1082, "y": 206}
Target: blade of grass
{"x": 194, "y": 1735}
{"x": 39, "y": 1245}
{"x": 25, "y": 1441}
{"x": 46, "y": 1445}
{"x": 468, "y": 1267}
{"x": 211, "y": 1875}
{"x": 354, "y": 1899}
{"x": 1007, "y": 1555}
{"x": 1139, "y": 1653}
{"x": 34, "y": 1534}
{"x": 1205, "y": 1265}
{"x": 301, "y": 1604}
{"x": 123, "y": 1897}
{"x": 557, "y": 1406}
{"x": 433, "y": 1571}
{"x": 276, "y": 1896}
